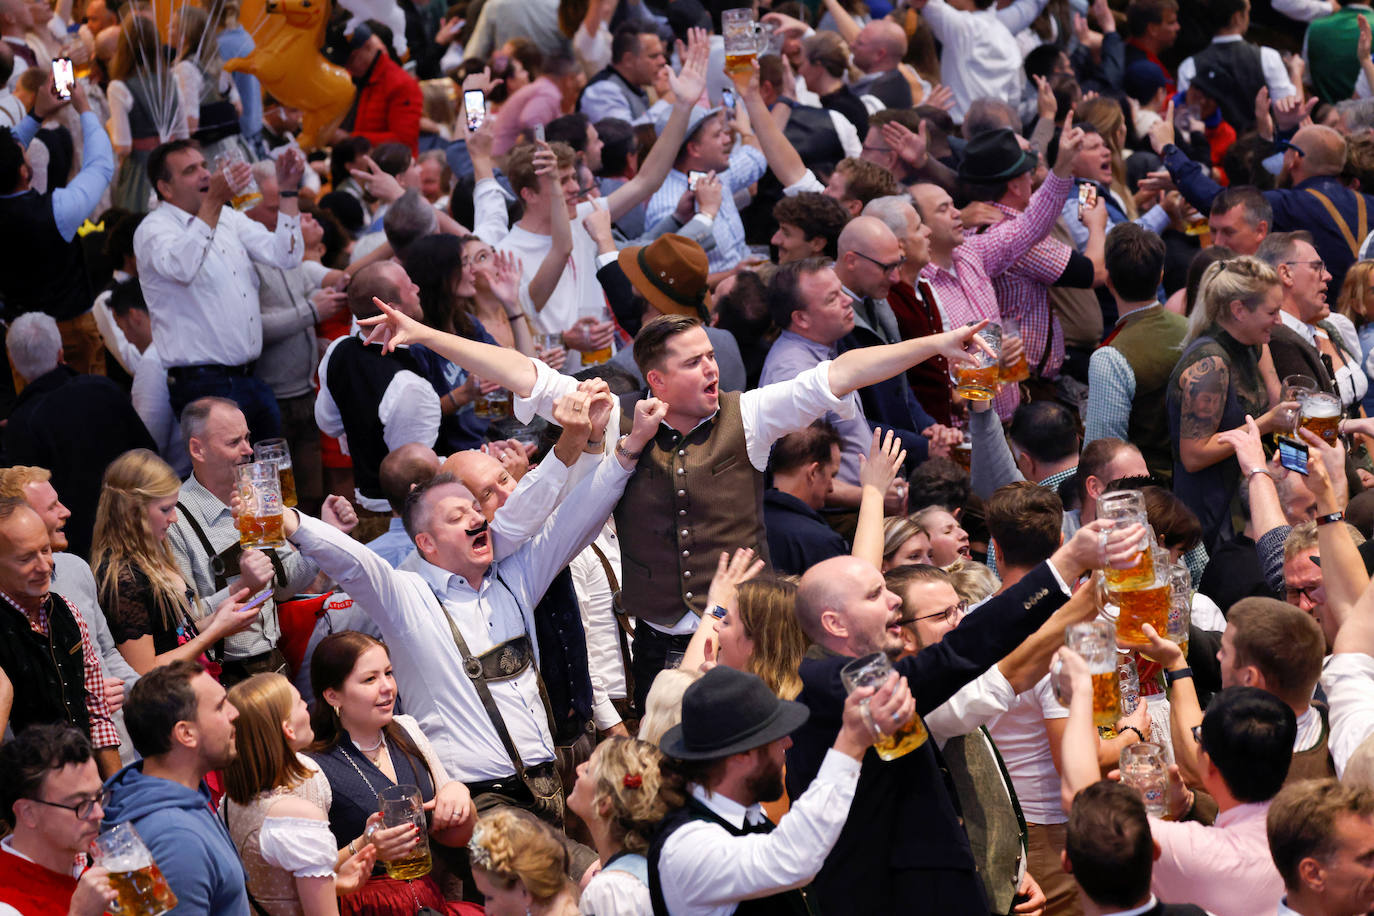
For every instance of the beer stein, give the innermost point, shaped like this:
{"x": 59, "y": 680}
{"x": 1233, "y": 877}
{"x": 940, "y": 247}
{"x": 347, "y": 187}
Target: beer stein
{"x": 1129, "y": 676}
{"x": 1180, "y": 605}
{"x": 142, "y": 889}
{"x": 1321, "y": 413}
{"x": 745, "y": 39}
{"x": 248, "y": 195}
{"x": 1144, "y": 768}
{"x": 260, "y": 512}
{"x": 1096, "y": 642}
{"x": 277, "y": 450}
{"x": 872, "y": 671}
{"x": 978, "y": 381}
{"x": 1124, "y": 508}
{"x": 1295, "y": 388}
{"x": 404, "y": 805}
{"x": 1021, "y": 370}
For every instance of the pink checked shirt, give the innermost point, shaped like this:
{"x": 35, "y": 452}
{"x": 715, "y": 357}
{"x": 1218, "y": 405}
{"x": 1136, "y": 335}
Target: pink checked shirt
{"x": 1225, "y": 868}
{"x": 967, "y": 294}
{"x": 1023, "y": 294}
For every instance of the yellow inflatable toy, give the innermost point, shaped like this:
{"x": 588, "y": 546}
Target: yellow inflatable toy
{"x": 288, "y": 62}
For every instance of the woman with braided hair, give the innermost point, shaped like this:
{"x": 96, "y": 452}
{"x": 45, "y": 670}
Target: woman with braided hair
{"x": 521, "y": 866}
{"x": 617, "y": 796}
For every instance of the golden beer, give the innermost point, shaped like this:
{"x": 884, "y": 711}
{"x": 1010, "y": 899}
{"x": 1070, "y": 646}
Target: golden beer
{"x": 493, "y": 405}
{"x": 1326, "y": 427}
{"x": 248, "y": 199}
{"x": 1321, "y": 413}
{"x": 976, "y": 383}
{"x": 1140, "y": 573}
{"x": 962, "y": 455}
{"x": 260, "y": 530}
{"x": 1139, "y": 607}
{"x": 905, "y": 740}
{"x": 740, "y": 63}
{"x": 596, "y": 357}
{"x": 142, "y": 892}
{"x": 1017, "y": 372}
{"x": 415, "y": 865}
{"x": 1106, "y": 699}
{"x": 288, "y": 485}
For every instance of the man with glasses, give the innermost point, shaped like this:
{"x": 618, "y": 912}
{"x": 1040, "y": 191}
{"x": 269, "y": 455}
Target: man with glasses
{"x": 1308, "y": 343}
{"x": 50, "y": 790}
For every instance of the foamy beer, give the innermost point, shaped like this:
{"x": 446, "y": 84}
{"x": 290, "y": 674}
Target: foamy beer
{"x": 1096, "y": 642}
{"x": 741, "y": 35}
{"x": 1321, "y": 413}
{"x": 142, "y": 889}
{"x": 260, "y": 513}
{"x": 1139, "y": 606}
{"x": 978, "y": 381}
{"x": 403, "y": 805}
{"x": 1018, "y": 371}
{"x": 872, "y": 671}
{"x": 277, "y": 450}
{"x": 1124, "y": 508}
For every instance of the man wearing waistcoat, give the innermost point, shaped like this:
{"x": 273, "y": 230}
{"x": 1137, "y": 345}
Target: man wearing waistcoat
{"x": 1128, "y": 373}
{"x": 699, "y": 489}
{"x": 618, "y": 91}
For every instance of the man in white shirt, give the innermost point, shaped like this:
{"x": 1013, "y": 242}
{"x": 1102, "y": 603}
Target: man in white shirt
{"x": 728, "y": 755}
{"x": 195, "y": 257}
{"x": 375, "y": 402}
{"x": 53, "y": 797}
{"x": 491, "y": 731}
{"x": 981, "y": 55}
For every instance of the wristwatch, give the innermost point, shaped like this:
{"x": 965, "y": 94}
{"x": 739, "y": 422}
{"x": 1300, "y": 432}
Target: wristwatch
{"x": 1180, "y": 674}
{"x": 1328, "y": 519}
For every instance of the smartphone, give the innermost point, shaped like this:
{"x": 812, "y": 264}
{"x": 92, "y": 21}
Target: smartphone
{"x": 1293, "y": 455}
{"x": 1087, "y": 196}
{"x": 475, "y": 104}
{"x": 727, "y": 98}
{"x": 63, "y": 76}
{"x": 539, "y": 133}
{"x": 692, "y": 178}
{"x": 257, "y": 599}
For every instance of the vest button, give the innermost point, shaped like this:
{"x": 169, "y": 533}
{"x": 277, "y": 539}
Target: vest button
{"x": 681, "y": 492}
{"x": 686, "y": 574}
{"x": 682, "y": 470}
{"x": 682, "y": 512}
{"x": 687, "y": 595}
{"x": 682, "y": 451}
{"x": 686, "y": 553}
{"x": 684, "y": 532}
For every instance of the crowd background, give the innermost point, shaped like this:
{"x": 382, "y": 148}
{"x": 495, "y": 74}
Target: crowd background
{"x": 617, "y": 348}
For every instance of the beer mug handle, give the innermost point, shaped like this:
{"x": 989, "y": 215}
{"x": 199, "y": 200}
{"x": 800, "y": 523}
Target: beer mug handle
{"x": 1100, "y": 598}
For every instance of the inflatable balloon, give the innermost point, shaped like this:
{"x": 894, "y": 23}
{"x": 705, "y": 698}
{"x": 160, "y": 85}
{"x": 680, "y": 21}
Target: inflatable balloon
{"x": 288, "y": 62}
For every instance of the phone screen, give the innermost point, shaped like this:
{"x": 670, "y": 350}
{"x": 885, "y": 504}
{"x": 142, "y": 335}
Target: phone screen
{"x": 475, "y": 104}
{"x": 727, "y": 98}
{"x": 63, "y": 76}
{"x": 257, "y": 599}
{"x": 1293, "y": 455}
{"x": 692, "y": 178}
{"x": 539, "y": 133}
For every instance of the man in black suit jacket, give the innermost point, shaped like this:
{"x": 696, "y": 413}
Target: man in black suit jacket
{"x": 1111, "y": 853}
{"x": 903, "y": 841}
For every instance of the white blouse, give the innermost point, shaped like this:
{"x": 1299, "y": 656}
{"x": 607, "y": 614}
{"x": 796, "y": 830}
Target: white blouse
{"x": 301, "y": 845}
{"x": 615, "y": 893}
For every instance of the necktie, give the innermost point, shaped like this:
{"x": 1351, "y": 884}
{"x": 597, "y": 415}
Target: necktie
{"x": 763, "y": 825}
{"x": 23, "y": 52}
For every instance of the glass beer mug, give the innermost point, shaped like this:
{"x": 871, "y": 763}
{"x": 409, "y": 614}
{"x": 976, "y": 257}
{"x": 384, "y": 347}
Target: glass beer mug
{"x": 278, "y": 451}
{"x": 872, "y": 671}
{"x": 1321, "y": 413}
{"x": 745, "y": 39}
{"x": 1096, "y": 642}
{"x": 1020, "y": 370}
{"x": 404, "y": 805}
{"x": 1295, "y": 388}
{"x": 1137, "y": 604}
{"x": 979, "y": 381}
{"x": 142, "y": 889}
{"x": 1124, "y": 508}
{"x": 260, "y": 513}
{"x": 1145, "y": 769}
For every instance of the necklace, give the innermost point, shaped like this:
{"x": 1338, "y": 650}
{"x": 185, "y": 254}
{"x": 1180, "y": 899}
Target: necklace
{"x": 381, "y": 739}
{"x": 376, "y": 754}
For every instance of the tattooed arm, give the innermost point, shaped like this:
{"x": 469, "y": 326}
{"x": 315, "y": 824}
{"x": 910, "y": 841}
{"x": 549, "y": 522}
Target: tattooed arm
{"x": 1203, "y": 387}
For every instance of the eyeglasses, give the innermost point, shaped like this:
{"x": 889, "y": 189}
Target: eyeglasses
{"x": 1313, "y": 593}
{"x": 481, "y": 257}
{"x": 1318, "y": 265}
{"x": 954, "y": 613}
{"x": 82, "y": 809}
{"x": 1197, "y": 735}
{"x": 887, "y": 268}
{"x": 1284, "y": 146}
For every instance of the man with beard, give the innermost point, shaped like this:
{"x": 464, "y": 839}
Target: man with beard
{"x": 1310, "y": 195}
{"x": 724, "y": 759}
{"x": 182, "y": 724}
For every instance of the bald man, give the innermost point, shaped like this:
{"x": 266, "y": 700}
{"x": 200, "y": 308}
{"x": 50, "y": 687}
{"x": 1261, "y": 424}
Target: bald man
{"x": 903, "y": 840}
{"x": 16, "y": 18}
{"x": 878, "y": 50}
{"x": 1310, "y": 195}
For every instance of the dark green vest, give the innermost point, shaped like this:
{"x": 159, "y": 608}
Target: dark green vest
{"x": 1151, "y": 340}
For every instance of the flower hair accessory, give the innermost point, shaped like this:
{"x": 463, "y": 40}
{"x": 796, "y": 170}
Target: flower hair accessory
{"x": 633, "y": 780}
{"x": 480, "y": 854}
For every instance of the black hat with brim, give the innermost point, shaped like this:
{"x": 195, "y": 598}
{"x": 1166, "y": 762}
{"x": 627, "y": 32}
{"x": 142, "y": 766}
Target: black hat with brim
{"x": 729, "y": 712}
{"x": 995, "y": 156}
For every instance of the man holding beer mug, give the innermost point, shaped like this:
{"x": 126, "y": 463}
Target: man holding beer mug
{"x": 52, "y": 794}
{"x": 904, "y": 841}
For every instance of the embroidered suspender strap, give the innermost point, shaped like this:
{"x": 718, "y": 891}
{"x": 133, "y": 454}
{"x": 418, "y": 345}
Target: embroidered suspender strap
{"x": 1341, "y": 224}
{"x": 623, "y": 628}
{"x": 472, "y": 667}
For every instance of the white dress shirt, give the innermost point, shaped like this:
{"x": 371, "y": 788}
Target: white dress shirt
{"x": 706, "y": 871}
{"x": 200, "y": 285}
{"x": 1348, "y": 682}
{"x": 599, "y": 624}
{"x": 428, "y": 666}
{"x": 153, "y": 403}
{"x": 983, "y": 56}
{"x": 977, "y": 703}
{"x": 1275, "y": 73}
{"x": 1351, "y": 382}
{"x": 409, "y": 411}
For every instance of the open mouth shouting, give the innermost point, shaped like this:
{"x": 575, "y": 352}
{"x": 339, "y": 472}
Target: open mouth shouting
{"x": 481, "y": 537}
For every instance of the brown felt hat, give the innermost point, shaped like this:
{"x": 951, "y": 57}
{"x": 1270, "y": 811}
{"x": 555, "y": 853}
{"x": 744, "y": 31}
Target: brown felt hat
{"x": 671, "y": 273}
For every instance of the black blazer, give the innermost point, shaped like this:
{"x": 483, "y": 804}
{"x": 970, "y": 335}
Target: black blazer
{"x": 903, "y": 834}
{"x": 1295, "y": 356}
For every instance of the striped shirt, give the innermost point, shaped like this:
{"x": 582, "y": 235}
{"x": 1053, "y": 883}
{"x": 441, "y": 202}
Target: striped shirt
{"x": 747, "y": 166}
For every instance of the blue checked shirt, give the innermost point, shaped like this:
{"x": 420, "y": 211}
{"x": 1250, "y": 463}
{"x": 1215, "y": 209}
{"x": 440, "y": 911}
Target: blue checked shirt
{"x": 747, "y": 166}
{"x": 1111, "y": 391}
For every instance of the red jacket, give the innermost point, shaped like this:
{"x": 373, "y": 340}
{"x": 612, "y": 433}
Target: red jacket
{"x": 389, "y": 106}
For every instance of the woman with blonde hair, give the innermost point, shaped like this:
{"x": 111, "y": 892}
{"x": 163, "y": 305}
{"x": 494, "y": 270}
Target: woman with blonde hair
{"x": 617, "y": 796}
{"x": 1217, "y": 383}
{"x": 663, "y": 705}
{"x": 275, "y": 806}
{"x": 904, "y": 543}
{"x": 1356, "y": 303}
{"x": 153, "y": 612}
{"x": 521, "y": 866}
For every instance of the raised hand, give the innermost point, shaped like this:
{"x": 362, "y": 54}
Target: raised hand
{"x": 690, "y": 83}
{"x": 730, "y": 572}
{"x": 377, "y": 183}
{"x": 391, "y": 328}
{"x": 883, "y": 463}
{"x": 649, "y": 415}
{"x": 911, "y": 148}
{"x": 1264, "y": 118}
{"x": 1162, "y": 131}
{"x": 1045, "y": 104}
{"x": 1070, "y": 142}
{"x": 338, "y": 512}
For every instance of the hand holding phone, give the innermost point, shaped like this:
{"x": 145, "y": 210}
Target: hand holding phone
{"x": 63, "y": 77}
{"x": 259, "y": 599}
{"x": 692, "y": 178}
{"x": 539, "y": 133}
{"x": 475, "y": 105}
{"x": 1087, "y": 197}
{"x": 1293, "y": 455}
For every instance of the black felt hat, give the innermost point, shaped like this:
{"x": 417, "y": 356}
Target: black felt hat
{"x": 995, "y": 156}
{"x": 729, "y": 712}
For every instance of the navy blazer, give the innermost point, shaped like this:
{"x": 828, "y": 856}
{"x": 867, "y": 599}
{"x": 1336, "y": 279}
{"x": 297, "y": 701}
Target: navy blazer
{"x": 903, "y": 832}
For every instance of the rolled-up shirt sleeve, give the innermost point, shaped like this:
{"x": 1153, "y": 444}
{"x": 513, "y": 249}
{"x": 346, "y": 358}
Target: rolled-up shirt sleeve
{"x": 773, "y": 411}
{"x": 1348, "y": 682}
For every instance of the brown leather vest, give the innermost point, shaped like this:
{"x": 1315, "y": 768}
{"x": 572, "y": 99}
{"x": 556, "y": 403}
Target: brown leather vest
{"x": 1151, "y": 342}
{"x": 691, "y": 497}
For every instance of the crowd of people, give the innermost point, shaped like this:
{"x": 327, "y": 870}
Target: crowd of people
{"x": 702, "y": 433}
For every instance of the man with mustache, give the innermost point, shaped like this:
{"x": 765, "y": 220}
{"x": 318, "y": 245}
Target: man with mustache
{"x": 461, "y": 625}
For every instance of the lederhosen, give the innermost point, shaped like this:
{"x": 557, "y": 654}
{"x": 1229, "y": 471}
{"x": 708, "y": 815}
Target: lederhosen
{"x": 536, "y": 788}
